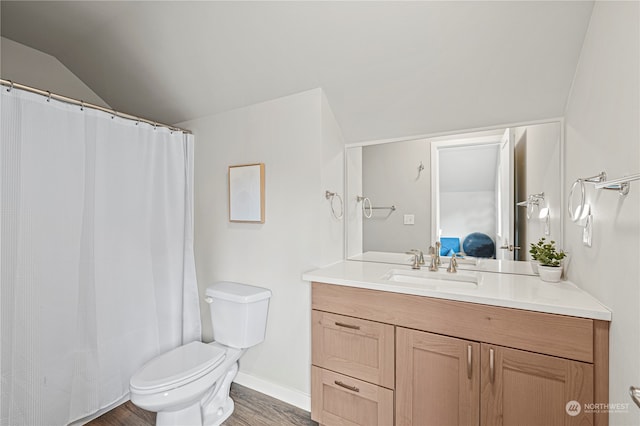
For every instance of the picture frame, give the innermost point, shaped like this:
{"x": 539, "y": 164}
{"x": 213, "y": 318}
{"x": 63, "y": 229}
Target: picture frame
{"x": 246, "y": 193}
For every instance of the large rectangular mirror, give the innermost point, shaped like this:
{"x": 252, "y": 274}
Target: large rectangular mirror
{"x": 502, "y": 185}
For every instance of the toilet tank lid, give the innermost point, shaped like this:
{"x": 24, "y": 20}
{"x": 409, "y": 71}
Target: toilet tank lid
{"x": 236, "y": 292}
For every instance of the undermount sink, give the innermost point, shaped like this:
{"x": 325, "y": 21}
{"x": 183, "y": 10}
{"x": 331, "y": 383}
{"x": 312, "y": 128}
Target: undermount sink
{"x": 468, "y": 279}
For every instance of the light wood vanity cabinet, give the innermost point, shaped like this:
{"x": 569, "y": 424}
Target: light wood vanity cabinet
{"x": 453, "y": 363}
{"x": 438, "y": 379}
{"x": 517, "y": 385}
{"x": 353, "y": 372}
{"x": 354, "y": 347}
{"x": 343, "y": 400}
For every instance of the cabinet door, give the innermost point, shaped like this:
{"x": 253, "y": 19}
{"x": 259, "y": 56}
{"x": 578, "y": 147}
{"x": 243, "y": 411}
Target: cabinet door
{"x": 355, "y": 347}
{"x": 343, "y": 400}
{"x": 524, "y": 388}
{"x": 438, "y": 379}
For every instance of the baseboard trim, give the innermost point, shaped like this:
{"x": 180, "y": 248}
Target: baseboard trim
{"x": 290, "y": 396}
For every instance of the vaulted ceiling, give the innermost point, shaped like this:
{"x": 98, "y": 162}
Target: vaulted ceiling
{"x": 389, "y": 69}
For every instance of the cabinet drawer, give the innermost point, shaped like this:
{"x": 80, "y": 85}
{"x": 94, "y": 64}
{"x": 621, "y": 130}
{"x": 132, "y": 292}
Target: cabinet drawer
{"x": 343, "y": 400}
{"x": 355, "y": 347}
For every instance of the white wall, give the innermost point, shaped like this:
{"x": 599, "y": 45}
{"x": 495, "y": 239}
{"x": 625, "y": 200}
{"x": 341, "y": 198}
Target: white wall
{"x": 22, "y": 64}
{"x": 354, "y": 218}
{"x": 542, "y": 174}
{"x": 299, "y": 142}
{"x": 467, "y": 190}
{"x": 464, "y": 212}
{"x": 603, "y": 133}
{"x": 390, "y": 177}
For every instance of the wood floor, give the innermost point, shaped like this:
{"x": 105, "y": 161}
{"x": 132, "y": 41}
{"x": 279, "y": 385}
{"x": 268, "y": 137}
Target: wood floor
{"x": 251, "y": 409}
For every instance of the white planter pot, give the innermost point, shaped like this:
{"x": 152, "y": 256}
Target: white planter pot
{"x": 534, "y": 266}
{"x": 550, "y": 274}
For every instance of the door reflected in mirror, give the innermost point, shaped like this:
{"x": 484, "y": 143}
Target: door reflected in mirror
{"x": 483, "y": 191}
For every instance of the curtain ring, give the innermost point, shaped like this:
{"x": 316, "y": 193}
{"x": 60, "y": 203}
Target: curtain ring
{"x": 575, "y": 216}
{"x": 81, "y": 105}
{"x": 48, "y": 96}
{"x": 10, "y": 87}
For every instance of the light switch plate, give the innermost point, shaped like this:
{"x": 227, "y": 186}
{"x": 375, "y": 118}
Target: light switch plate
{"x": 409, "y": 219}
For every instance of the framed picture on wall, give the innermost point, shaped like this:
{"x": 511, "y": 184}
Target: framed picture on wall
{"x": 246, "y": 193}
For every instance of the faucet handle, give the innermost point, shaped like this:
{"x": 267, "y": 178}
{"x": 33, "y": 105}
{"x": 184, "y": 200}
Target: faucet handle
{"x": 433, "y": 266}
{"x": 437, "y": 253}
{"x": 418, "y": 258}
{"x": 453, "y": 264}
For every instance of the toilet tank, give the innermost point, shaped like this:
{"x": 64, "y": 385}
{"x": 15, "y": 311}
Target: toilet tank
{"x": 238, "y": 313}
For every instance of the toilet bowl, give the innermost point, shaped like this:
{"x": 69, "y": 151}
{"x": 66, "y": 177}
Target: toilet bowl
{"x": 190, "y": 384}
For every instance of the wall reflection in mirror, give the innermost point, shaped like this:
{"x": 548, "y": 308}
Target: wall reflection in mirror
{"x": 487, "y": 194}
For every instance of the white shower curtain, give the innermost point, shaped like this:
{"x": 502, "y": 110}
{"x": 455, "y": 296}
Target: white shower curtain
{"x": 96, "y": 243}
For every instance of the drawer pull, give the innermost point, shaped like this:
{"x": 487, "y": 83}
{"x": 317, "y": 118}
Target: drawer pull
{"x": 353, "y": 327}
{"x": 351, "y": 388}
{"x": 492, "y": 365}
{"x": 469, "y": 363}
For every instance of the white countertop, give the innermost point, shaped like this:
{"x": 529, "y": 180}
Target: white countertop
{"x": 470, "y": 263}
{"x": 497, "y": 289}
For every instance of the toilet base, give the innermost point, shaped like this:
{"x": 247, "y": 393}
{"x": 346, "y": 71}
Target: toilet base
{"x": 219, "y": 406}
{"x": 211, "y": 404}
{"x": 190, "y": 416}
{"x": 212, "y": 410}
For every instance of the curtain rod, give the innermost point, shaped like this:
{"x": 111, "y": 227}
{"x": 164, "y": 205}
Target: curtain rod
{"x": 11, "y": 85}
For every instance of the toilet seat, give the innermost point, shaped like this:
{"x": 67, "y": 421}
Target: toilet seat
{"x": 181, "y": 365}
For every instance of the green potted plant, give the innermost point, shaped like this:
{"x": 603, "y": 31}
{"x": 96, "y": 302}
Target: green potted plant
{"x": 549, "y": 259}
{"x": 534, "y": 249}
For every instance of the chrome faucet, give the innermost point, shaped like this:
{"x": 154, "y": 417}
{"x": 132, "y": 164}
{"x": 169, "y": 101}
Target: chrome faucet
{"x": 433, "y": 266}
{"x": 418, "y": 258}
{"x": 437, "y": 253}
{"x": 453, "y": 264}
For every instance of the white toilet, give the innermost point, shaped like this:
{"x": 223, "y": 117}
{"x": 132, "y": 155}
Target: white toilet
{"x": 189, "y": 385}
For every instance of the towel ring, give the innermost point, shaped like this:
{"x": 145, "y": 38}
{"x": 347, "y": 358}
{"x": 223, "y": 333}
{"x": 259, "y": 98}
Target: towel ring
{"x": 533, "y": 201}
{"x": 330, "y": 196}
{"x": 530, "y": 207}
{"x": 366, "y": 200}
{"x": 577, "y": 214}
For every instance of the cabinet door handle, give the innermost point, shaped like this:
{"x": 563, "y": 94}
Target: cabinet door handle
{"x": 469, "y": 364}
{"x": 492, "y": 365}
{"x": 351, "y": 388}
{"x": 353, "y": 327}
